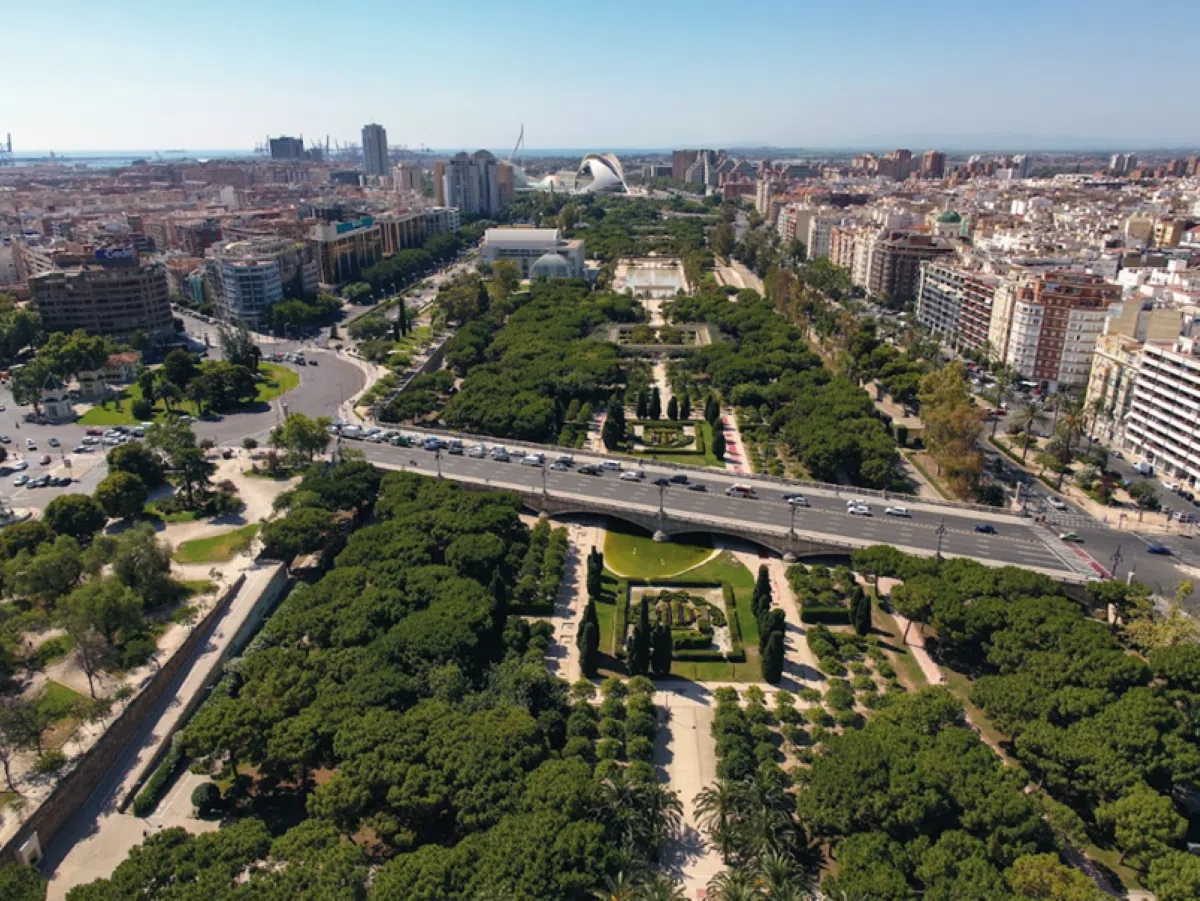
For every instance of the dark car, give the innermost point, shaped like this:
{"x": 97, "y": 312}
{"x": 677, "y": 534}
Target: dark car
{"x": 697, "y": 486}
{"x": 985, "y": 528}
{"x": 587, "y": 469}
{"x": 663, "y": 482}
{"x": 1162, "y": 549}
{"x": 680, "y": 478}
{"x": 61, "y": 481}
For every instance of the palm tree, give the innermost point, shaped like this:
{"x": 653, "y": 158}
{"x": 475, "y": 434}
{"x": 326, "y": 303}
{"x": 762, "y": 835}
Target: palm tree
{"x": 1031, "y": 414}
{"x": 643, "y": 816}
{"x": 1004, "y": 380}
{"x": 617, "y": 888}
{"x": 717, "y": 811}
{"x": 1070, "y": 430}
{"x": 1097, "y": 409}
{"x": 660, "y": 888}
{"x": 734, "y": 885}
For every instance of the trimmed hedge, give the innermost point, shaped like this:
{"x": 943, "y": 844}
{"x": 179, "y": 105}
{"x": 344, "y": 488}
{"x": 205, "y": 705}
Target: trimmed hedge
{"x": 838, "y": 616}
{"x": 147, "y": 798}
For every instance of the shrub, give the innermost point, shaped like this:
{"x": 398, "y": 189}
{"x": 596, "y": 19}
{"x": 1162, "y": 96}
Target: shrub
{"x": 147, "y": 798}
{"x": 640, "y": 704}
{"x": 51, "y": 762}
{"x": 612, "y": 708}
{"x": 579, "y": 747}
{"x": 142, "y": 409}
{"x": 641, "y": 724}
{"x": 764, "y": 751}
{"x": 639, "y": 748}
{"x": 840, "y": 696}
{"x": 205, "y": 798}
{"x": 581, "y": 725}
{"x": 137, "y": 651}
{"x": 639, "y": 686}
{"x": 611, "y": 728}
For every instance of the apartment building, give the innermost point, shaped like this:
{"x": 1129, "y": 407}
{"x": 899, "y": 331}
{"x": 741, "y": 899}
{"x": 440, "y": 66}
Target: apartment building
{"x": 956, "y": 302}
{"x": 375, "y": 150}
{"x": 113, "y": 295}
{"x": 468, "y": 182}
{"x": 894, "y": 265}
{"x": 820, "y": 234}
{"x": 1056, "y": 319}
{"x": 1162, "y": 425}
{"x": 344, "y": 250}
{"x": 247, "y": 278}
{"x": 794, "y": 222}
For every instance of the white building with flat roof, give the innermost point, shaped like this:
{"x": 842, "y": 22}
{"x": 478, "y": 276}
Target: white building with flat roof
{"x": 525, "y": 246}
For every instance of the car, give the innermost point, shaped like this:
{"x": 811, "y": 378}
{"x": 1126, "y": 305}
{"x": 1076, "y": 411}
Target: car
{"x": 633, "y": 475}
{"x": 499, "y": 454}
{"x": 20, "y": 465}
{"x": 662, "y": 482}
{"x": 560, "y": 467}
{"x": 1162, "y": 549}
{"x": 902, "y": 512}
{"x": 587, "y": 469}
{"x": 30, "y": 444}
{"x": 53, "y": 442}
{"x": 478, "y": 451}
{"x": 312, "y": 362}
{"x": 44, "y": 459}
{"x": 456, "y": 449}
{"x": 1072, "y": 537}
{"x": 680, "y": 478}
{"x": 1171, "y": 486}
{"x": 1056, "y": 502}
{"x": 533, "y": 460}
{"x": 94, "y": 431}
{"x": 4, "y": 439}
{"x": 566, "y": 460}
{"x": 697, "y": 486}
{"x": 798, "y": 500}
{"x": 60, "y": 481}
{"x": 40, "y": 482}
{"x": 985, "y": 528}
{"x": 859, "y": 510}
{"x": 91, "y": 440}
{"x": 611, "y": 465}
{"x": 20, "y": 480}
{"x": 82, "y": 449}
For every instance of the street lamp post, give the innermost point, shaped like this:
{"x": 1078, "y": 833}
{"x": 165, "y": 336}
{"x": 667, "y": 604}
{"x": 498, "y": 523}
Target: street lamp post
{"x": 1116, "y": 560}
{"x": 941, "y": 533}
{"x": 792, "y": 528}
{"x": 543, "y": 480}
{"x": 662, "y": 494}
{"x": 437, "y": 456}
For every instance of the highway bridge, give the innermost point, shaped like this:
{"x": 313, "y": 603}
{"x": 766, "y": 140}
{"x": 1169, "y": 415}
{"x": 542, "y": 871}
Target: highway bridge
{"x": 822, "y": 528}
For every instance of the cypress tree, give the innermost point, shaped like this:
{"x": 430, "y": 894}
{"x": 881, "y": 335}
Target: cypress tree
{"x": 589, "y": 618}
{"x": 655, "y": 410}
{"x": 762, "y": 585}
{"x": 718, "y": 445}
{"x": 673, "y": 408}
{"x": 772, "y": 658}
{"x": 589, "y": 650}
{"x": 482, "y": 299}
{"x": 639, "y": 644}
{"x": 860, "y": 613}
{"x": 499, "y": 591}
{"x": 685, "y": 407}
{"x": 712, "y": 410}
{"x": 660, "y": 662}
{"x": 643, "y": 404}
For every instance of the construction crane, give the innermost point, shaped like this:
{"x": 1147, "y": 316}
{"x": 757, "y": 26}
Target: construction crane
{"x": 516, "y": 147}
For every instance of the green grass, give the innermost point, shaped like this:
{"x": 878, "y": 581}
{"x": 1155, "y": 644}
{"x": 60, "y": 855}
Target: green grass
{"x": 59, "y": 700}
{"x": 51, "y": 651}
{"x": 194, "y": 587}
{"x": 277, "y": 380}
{"x": 6, "y": 798}
{"x": 180, "y": 516}
{"x": 695, "y": 458}
{"x": 726, "y": 568}
{"x": 1109, "y": 858}
{"x": 217, "y": 548}
{"x": 637, "y": 555}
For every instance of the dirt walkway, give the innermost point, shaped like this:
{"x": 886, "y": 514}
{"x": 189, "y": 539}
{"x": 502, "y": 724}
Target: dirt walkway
{"x": 737, "y": 459}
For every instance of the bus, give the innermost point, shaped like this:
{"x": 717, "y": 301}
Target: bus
{"x": 744, "y": 491}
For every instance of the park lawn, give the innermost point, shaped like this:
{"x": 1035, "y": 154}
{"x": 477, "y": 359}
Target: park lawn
{"x": 195, "y": 587}
{"x": 217, "y": 548}
{"x": 637, "y": 555}
{"x": 690, "y": 459}
{"x": 906, "y": 665}
{"x": 59, "y": 702}
{"x": 726, "y": 568}
{"x": 179, "y": 516}
{"x": 277, "y": 380}
{"x": 6, "y": 798}
{"x": 719, "y": 670}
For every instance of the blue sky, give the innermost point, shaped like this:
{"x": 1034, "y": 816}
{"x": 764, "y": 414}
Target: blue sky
{"x": 221, "y": 74}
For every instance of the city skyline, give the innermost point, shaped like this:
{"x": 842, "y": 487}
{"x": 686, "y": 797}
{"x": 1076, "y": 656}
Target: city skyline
{"x": 783, "y": 75}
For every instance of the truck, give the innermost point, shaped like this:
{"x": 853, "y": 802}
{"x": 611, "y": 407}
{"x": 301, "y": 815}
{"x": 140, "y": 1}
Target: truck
{"x": 1141, "y": 467}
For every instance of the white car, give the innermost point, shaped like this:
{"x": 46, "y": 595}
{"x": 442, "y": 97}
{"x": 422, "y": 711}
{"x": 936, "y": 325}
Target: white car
{"x": 1057, "y": 503}
{"x": 4, "y": 439}
{"x": 897, "y": 511}
{"x": 859, "y": 510}
{"x": 611, "y": 465}
{"x": 20, "y": 465}
{"x": 31, "y": 444}
{"x": 20, "y": 480}
{"x": 798, "y": 500}
{"x": 533, "y": 460}
{"x": 633, "y": 475}
{"x": 478, "y": 451}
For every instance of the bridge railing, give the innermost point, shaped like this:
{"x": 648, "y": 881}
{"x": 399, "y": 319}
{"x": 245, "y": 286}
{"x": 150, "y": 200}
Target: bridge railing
{"x": 552, "y": 450}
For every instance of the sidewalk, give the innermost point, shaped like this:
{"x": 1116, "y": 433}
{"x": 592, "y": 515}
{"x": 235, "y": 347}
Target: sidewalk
{"x": 97, "y": 838}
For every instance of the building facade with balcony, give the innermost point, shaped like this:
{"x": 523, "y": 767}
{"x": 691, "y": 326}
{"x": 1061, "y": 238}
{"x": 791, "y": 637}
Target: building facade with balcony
{"x": 116, "y": 301}
{"x": 1162, "y": 425}
{"x": 344, "y": 250}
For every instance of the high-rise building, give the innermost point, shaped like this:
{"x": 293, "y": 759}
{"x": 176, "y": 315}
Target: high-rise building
{"x": 895, "y": 263}
{"x": 469, "y": 182}
{"x": 933, "y": 164}
{"x": 113, "y": 295}
{"x": 1160, "y": 425}
{"x": 375, "y": 150}
{"x": 406, "y": 178}
{"x": 1122, "y": 163}
{"x": 285, "y": 148}
{"x": 1056, "y": 319}
{"x": 681, "y": 161}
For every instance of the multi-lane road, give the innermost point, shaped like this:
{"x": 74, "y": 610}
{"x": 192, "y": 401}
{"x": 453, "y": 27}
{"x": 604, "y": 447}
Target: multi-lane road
{"x": 1015, "y": 541}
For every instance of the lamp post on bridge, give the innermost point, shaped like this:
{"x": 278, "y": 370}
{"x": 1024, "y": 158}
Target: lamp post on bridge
{"x": 941, "y": 533}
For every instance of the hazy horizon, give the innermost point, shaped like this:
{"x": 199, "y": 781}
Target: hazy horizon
{"x": 1032, "y": 76}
